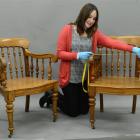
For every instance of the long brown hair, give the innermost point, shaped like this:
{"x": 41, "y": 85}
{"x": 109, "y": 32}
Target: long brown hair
{"x": 82, "y": 17}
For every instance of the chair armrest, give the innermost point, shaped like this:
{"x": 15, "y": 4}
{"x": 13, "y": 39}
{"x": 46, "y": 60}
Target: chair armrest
{"x": 53, "y": 57}
{"x": 95, "y": 65}
{"x": 39, "y": 65}
{"x": 2, "y": 72}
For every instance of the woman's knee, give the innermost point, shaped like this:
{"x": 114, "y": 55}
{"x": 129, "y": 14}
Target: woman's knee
{"x": 73, "y": 112}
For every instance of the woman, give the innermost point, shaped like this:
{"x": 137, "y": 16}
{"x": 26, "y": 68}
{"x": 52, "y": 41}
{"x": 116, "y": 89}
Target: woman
{"x": 77, "y": 42}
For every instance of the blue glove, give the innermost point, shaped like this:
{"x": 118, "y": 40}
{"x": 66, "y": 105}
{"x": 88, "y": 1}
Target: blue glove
{"x": 84, "y": 55}
{"x": 136, "y": 50}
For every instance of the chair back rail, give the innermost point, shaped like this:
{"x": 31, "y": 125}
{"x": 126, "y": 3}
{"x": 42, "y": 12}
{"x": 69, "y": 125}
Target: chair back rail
{"x": 12, "y": 50}
{"x": 117, "y": 62}
{"x": 21, "y": 62}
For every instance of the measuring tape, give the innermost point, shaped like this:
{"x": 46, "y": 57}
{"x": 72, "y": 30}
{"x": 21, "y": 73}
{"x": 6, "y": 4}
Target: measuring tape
{"x": 86, "y": 67}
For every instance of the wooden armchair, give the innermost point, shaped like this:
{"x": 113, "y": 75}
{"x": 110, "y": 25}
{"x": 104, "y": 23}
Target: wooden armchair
{"x": 114, "y": 72}
{"x": 23, "y": 73}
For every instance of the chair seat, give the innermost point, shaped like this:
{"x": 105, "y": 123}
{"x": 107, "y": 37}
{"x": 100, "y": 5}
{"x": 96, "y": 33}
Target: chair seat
{"x": 104, "y": 84}
{"x": 28, "y": 83}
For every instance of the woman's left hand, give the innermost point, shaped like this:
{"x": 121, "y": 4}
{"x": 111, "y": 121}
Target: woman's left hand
{"x": 136, "y": 50}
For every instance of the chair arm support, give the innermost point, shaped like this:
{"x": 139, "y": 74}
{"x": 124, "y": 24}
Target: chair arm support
{"x": 53, "y": 57}
{"x": 2, "y": 72}
{"x": 95, "y": 65}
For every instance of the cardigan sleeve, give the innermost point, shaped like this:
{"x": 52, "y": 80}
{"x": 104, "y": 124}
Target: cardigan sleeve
{"x": 63, "y": 45}
{"x": 107, "y": 41}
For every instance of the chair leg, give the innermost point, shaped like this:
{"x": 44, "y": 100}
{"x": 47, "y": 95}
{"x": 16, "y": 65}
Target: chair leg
{"x": 9, "y": 110}
{"x": 54, "y": 103}
{"x": 101, "y": 103}
{"x": 92, "y": 102}
{"x": 134, "y": 104}
{"x": 27, "y": 103}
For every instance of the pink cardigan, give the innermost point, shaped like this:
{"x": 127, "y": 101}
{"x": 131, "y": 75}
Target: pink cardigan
{"x": 64, "y": 53}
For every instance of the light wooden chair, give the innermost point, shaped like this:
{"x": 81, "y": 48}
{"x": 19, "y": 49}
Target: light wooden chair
{"x": 23, "y": 73}
{"x": 114, "y": 72}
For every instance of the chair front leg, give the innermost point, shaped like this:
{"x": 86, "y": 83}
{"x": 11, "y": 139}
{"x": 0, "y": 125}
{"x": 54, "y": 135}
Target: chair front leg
{"x": 92, "y": 102}
{"x": 10, "y": 109}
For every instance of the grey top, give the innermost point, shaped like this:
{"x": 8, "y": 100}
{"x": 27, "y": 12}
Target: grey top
{"x": 79, "y": 44}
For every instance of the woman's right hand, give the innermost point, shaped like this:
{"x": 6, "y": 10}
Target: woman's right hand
{"x": 84, "y": 55}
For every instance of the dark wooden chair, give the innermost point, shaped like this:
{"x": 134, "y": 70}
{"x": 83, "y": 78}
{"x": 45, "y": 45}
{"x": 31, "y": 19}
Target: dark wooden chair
{"x": 114, "y": 72}
{"x": 23, "y": 73}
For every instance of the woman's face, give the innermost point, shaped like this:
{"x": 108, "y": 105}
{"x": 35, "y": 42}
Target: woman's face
{"x": 91, "y": 19}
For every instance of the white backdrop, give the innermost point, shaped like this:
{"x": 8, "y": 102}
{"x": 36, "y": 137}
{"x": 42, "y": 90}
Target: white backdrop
{"x": 41, "y": 20}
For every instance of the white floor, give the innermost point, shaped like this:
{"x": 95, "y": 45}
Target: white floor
{"x": 38, "y": 125}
